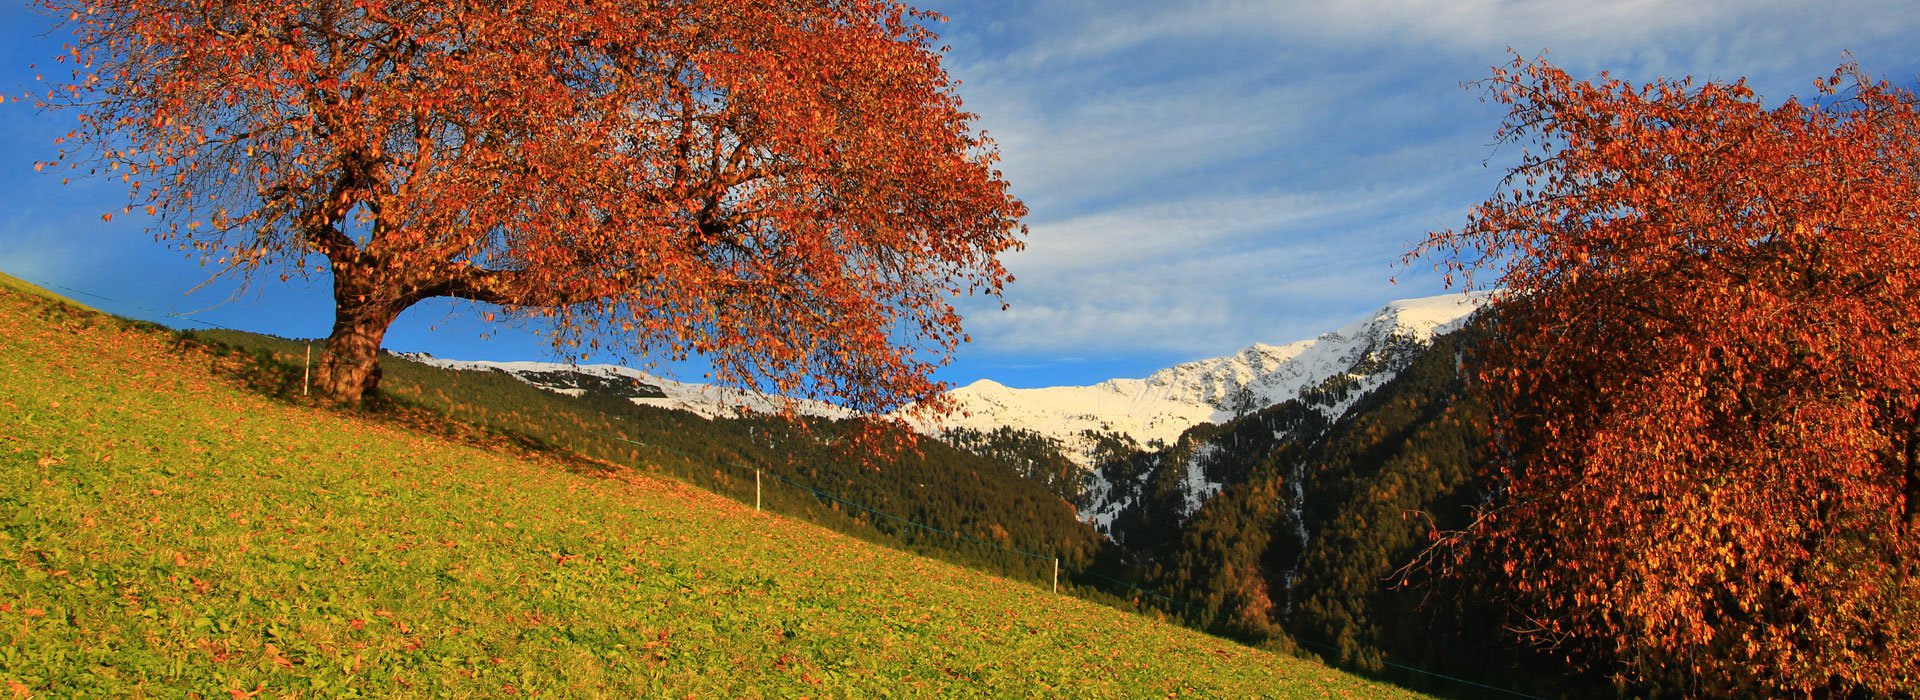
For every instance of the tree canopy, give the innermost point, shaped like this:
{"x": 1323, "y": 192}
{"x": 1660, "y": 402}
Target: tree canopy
{"x": 1704, "y": 379}
{"x": 790, "y": 189}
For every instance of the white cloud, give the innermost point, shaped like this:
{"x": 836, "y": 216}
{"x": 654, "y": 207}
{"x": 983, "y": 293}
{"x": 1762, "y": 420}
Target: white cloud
{"x": 1070, "y": 136}
{"x": 1204, "y": 276}
{"x": 1205, "y": 174}
{"x": 1161, "y": 231}
{"x": 1661, "y": 34}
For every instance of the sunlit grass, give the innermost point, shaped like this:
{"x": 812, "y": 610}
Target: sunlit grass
{"x": 165, "y": 531}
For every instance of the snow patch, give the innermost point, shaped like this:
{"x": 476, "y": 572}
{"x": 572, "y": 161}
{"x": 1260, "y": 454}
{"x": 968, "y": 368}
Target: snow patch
{"x": 705, "y": 400}
{"x": 1104, "y": 503}
{"x": 1196, "y": 486}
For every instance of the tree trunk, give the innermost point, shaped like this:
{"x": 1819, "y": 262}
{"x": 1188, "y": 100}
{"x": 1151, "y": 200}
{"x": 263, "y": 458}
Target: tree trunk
{"x": 350, "y": 365}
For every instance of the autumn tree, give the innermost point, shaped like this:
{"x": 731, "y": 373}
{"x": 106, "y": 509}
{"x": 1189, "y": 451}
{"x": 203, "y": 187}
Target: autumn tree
{"x": 790, "y": 189}
{"x": 1705, "y": 375}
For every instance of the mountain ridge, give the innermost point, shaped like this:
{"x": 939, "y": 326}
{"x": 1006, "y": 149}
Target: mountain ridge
{"x": 1166, "y": 403}
{"x": 640, "y": 387}
{"x": 1155, "y": 409}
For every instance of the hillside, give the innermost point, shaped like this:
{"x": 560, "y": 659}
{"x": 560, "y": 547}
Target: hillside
{"x": 1006, "y": 523}
{"x": 168, "y": 530}
{"x": 1283, "y": 523}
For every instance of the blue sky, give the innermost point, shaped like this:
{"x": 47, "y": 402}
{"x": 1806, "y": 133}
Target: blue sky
{"x": 1202, "y": 174}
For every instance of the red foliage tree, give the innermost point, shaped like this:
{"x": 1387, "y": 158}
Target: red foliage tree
{"x": 1705, "y": 372}
{"x": 788, "y": 188}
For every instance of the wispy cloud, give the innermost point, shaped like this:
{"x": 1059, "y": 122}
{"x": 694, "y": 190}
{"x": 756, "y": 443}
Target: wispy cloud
{"x": 1205, "y": 174}
{"x": 1205, "y": 276}
{"x": 1663, "y": 35}
{"x": 1112, "y": 139}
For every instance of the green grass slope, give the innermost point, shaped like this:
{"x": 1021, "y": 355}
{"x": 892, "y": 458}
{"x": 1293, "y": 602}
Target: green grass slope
{"x": 167, "y": 532}
{"x": 986, "y": 501}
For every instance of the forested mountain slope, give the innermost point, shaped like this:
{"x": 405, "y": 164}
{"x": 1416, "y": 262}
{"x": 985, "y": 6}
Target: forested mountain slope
{"x": 1285, "y": 524}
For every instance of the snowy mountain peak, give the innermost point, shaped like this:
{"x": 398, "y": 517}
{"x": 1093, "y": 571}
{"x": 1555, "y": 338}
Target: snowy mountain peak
{"x": 1363, "y": 355}
{"x": 1366, "y": 352}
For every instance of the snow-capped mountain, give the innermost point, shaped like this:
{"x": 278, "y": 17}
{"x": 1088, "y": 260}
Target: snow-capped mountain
{"x": 706, "y": 400}
{"x": 1159, "y": 407}
{"x": 1166, "y": 403}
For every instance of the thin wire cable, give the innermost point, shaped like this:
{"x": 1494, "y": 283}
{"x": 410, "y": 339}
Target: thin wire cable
{"x": 149, "y": 310}
{"x": 1405, "y": 667}
{"x": 1189, "y": 607}
{"x": 829, "y": 496}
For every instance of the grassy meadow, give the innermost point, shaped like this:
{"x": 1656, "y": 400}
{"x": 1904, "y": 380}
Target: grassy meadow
{"x": 166, "y": 531}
